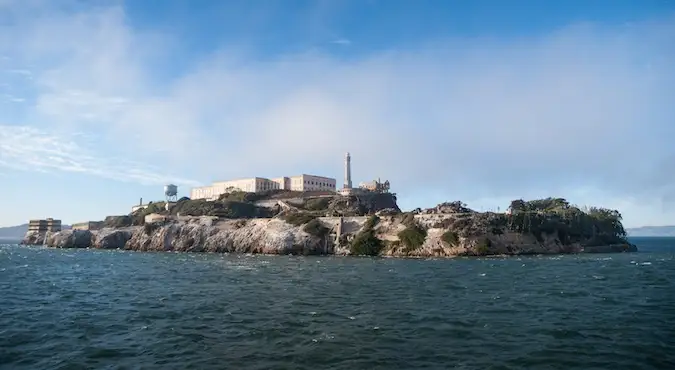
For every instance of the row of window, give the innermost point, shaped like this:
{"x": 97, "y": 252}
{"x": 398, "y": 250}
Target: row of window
{"x": 325, "y": 184}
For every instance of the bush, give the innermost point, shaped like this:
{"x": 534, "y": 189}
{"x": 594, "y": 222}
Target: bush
{"x": 484, "y": 247}
{"x": 234, "y": 209}
{"x": 412, "y": 237}
{"x": 450, "y": 238}
{"x": 298, "y": 218}
{"x": 317, "y": 204}
{"x": 315, "y": 228}
{"x": 221, "y": 208}
{"x": 118, "y": 221}
{"x": 366, "y": 244}
{"x": 150, "y": 227}
{"x": 250, "y": 197}
{"x": 371, "y": 222}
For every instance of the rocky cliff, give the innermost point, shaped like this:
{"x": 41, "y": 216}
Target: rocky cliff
{"x": 445, "y": 231}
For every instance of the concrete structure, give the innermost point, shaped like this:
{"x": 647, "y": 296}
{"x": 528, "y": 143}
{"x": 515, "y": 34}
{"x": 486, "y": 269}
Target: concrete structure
{"x": 49, "y": 224}
{"x": 347, "y": 188}
{"x": 154, "y": 217}
{"x": 139, "y": 206}
{"x": 260, "y": 184}
{"x": 376, "y": 186}
{"x": 348, "y": 172}
{"x": 89, "y": 225}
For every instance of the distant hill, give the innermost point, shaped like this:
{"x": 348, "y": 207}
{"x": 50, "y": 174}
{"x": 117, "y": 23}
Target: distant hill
{"x": 17, "y": 232}
{"x": 652, "y": 231}
{"x": 13, "y": 232}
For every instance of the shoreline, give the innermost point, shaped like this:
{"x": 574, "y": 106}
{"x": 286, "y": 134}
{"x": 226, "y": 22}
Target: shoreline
{"x": 448, "y": 257}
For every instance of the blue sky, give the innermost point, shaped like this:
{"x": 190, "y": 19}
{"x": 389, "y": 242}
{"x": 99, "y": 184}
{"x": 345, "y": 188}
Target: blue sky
{"x": 103, "y": 102}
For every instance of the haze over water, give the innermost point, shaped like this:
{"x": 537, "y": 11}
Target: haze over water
{"x": 114, "y": 309}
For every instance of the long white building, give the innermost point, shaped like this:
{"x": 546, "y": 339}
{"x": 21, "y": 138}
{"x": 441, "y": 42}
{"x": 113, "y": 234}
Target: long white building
{"x": 260, "y": 184}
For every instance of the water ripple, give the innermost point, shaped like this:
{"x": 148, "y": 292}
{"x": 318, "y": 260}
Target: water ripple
{"x": 69, "y": 309}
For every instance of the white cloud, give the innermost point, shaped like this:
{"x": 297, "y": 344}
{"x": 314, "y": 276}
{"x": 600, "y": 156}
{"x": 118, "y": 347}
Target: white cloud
{"x": 585, "y": 106}
{"x": 33, "y": 150}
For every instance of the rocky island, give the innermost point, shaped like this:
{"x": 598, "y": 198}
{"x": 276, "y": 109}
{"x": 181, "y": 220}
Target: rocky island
{"x": 315, "y": 223}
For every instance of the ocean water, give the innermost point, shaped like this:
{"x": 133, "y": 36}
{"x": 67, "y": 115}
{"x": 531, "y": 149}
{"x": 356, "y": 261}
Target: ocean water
{"x": 93, "y": 309}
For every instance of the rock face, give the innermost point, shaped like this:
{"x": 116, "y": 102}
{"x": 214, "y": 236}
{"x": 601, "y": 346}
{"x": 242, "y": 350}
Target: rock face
{"x": 34, "y": 238}
{"x": 112, "y": 238}
{"x": 548, "y": 226}
{"x": 70, "y": 239}
{"x": 267, "y": 236}
{"x": 276, "y": 236}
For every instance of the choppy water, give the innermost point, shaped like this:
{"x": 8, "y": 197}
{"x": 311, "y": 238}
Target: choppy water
{"x": 71, "y": 309}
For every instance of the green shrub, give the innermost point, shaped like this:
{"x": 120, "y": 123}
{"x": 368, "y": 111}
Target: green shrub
{"x": 150, "y": 228}
{"x": 366, "y": 244}
{"x": 315, "y": 228}
{"x": 235, "y": 209}
{"x": 298, "y": 218}
{"x": 371, "y": 222}
{"x": 412, "y": 237}
{"x": 317, "y": 204}
{"x": 450, "y": 238}
{"x": 118, "y": 221}
{"x": 484, "y": 247}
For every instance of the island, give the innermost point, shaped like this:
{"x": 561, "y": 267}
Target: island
{"x": 367, "y": 224}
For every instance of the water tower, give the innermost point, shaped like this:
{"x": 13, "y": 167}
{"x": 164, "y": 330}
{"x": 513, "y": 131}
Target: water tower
{"x": 171, "y": 193}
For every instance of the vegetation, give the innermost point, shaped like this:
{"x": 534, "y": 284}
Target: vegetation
{"x": 371, "y": 222}
{"x": 555, "y": 216}
{"x": 150, "y": 228}
{"x": 412, "y": 237}
{"x": 246, "y": 197}
{"x": 456, "y": 206}
{"x": 550, "y": 216}
{"x": 362, "y": 204}
{"x": 221, "y": 208}
{"x": 139, "y": 216}
{"x": 450, "y": 238}
{"x": 484, "y": 247}
{"x": 118, "y": 221}
{"x": 317, "y": 204}
{"x": 366, "y": 244}
{"x": 298, "y": 218}
{"x": 240, "y": 204}
{"x": 315, "y": 228}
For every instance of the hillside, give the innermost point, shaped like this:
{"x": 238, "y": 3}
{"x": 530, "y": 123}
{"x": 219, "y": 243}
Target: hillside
{"x": 13, "y": 232}
{"x": 652, "y": 231}
{"x": 242, "y": 205}
{"x": 18, "y": 232}
{"x": 355, "y": 226}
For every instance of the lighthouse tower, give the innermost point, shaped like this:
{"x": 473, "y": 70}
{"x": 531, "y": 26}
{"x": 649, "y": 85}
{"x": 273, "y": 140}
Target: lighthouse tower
{"x": 348, "y": 172}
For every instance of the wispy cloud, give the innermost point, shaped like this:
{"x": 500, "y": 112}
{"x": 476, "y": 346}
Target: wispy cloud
{"x": 12, "y": 98}
{"x": 33, "y": 150}
{"x": 23, "y": 72}
{"x": 342, "y": 41}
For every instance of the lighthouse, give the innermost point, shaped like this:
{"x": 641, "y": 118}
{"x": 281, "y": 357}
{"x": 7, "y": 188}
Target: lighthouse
{"x": 348, "y": 172}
